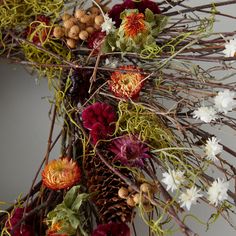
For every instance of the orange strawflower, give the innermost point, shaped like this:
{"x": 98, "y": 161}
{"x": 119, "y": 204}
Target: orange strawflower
{"x": 134, "y": 24}
{"x": 126, "y": 84}
{"x": 60, "y": 174}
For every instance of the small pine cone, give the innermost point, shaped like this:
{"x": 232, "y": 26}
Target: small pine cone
{"x": 105, "y": 184}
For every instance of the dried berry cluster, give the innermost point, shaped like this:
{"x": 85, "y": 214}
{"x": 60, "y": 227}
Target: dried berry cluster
{"x": 134, "y": 199}
{"x": 79, "y": 26}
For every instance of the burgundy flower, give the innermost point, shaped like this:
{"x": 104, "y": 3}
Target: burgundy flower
{"x": 95, "y": 40}
{"x": 130, "y": 150}
{"x": 129, "y": 4}
{"x": 25, "y": 229}
{"x": 112, "y": 229}
{"x": 98, "y": 132}
{"x": 99, "y": 118}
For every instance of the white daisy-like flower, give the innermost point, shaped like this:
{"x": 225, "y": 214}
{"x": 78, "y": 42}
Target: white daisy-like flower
{"x": 224, "y": 101}
{"x": 108, "y": 25}
{"x": 212, "y": 148}
{"x": 230, "y": 48}
{"x": 206, "y": 114}
{"x": 173, "y": 179}
{"x": 189, "y": 197}
{"x": 218, "y": 191}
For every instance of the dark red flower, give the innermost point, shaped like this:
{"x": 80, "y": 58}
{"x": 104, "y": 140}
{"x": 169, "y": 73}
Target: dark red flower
{"x": 95, "y": 40}
{"x": 22, "y": 230}
{"x": 98, "y": 112}
{"x": 129, "y": 4}
{"x": 100, "y": 119}
{"x": 112, "y": 229}
{"x": 129, "y": 150}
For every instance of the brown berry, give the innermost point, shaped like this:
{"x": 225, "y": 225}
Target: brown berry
{"x": 99, "y": 20}
{"x": 94, "y": 10}
{"x": 123, "y": 193}
{"x": 146, "y": 188}
{"x": 68, "y": 23}
{"x": 83, "y": 35}
{"x": 79, "y": 13}
{"x": 130, "y": 202}
{"x": 85, "y": 19}
{"x": 66, "y": 16}
{"x": 136, "y": 198}
{"x": 97, "y": 27}
{"x": 71, "y": 43}
{"x": 74, "y": 32}
{"x": 58, "y": 32}
{"x": 90, "y": 29}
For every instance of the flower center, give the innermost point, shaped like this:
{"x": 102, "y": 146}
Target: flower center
{"x": 134, "y": 24}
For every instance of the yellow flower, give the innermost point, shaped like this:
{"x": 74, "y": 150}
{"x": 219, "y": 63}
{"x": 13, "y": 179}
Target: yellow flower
{"x": 60, "y": 174}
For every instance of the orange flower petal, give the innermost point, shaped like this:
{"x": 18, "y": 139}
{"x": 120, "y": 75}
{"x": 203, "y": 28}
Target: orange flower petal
{"x": 134, "y": 24}
{"x": 60, "y": 174}
{"x": 126, "y": 84}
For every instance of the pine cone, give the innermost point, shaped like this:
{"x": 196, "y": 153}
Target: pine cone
{"x": 105, "y": 184}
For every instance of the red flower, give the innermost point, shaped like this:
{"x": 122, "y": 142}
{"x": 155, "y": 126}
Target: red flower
{"x": 22, "y": 230}
{"x": 130, "y": 151}
{"x": 60, "y": 174}
{"x": 95, "y": 40}
{"x": 126, "y": 84}
{"x": 134, "y": 24}
{"x": 129, "y": 4}
{"x": 112, "y": 229}
{"x": 99, "y": 118}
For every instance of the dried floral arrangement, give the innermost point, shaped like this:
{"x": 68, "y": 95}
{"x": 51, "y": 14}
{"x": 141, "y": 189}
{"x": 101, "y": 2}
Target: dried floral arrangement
{"x": 139, "y": 95}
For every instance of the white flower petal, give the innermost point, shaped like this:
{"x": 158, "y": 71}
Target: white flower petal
{"x": 206, "y": 114}
{"x": 173, "y": 179}
{"x": 217, "y": 192}
{"x": 189, "y": 197}
{"x": 212, "y": 148}
{"x": 224, "y": 101}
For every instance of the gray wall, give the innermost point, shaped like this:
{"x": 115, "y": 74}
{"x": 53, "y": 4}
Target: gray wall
{"x": 24, "y": 131}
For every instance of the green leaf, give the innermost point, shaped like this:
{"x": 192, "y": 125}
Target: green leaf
{"x": 71, "y": 195}
{"x": 79, "y": 201}
{"x": 149, "y": 16}
{"x": 161, "y": 22}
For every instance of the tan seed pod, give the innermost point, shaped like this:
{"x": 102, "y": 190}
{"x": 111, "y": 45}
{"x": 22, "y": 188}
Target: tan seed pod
{"x": 85, "y": 19}
{"x": 146, "y": 188}
{"x": 66, "y": 16}
{"x": 83, "y": 35}
{"x": 79, "y": 13}
{"x": 74, "y": 32}
{"x": 82, "y": 26}
{"x": 136, "y": 198}
{"x": 123, "y": 193}
{"x": 99, "y": 20}
{"x": 71, "y": 43}
{"x": 90, "y": 29}
{"x": 58, "y": 32}
{"x": 97, "y": 27}
{"x": 94, "y": 10}
{"x": 130, "y": 201}
{"x": 68, "y": 24}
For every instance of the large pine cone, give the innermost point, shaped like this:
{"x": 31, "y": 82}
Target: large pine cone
{"x": 105, "y": 185}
